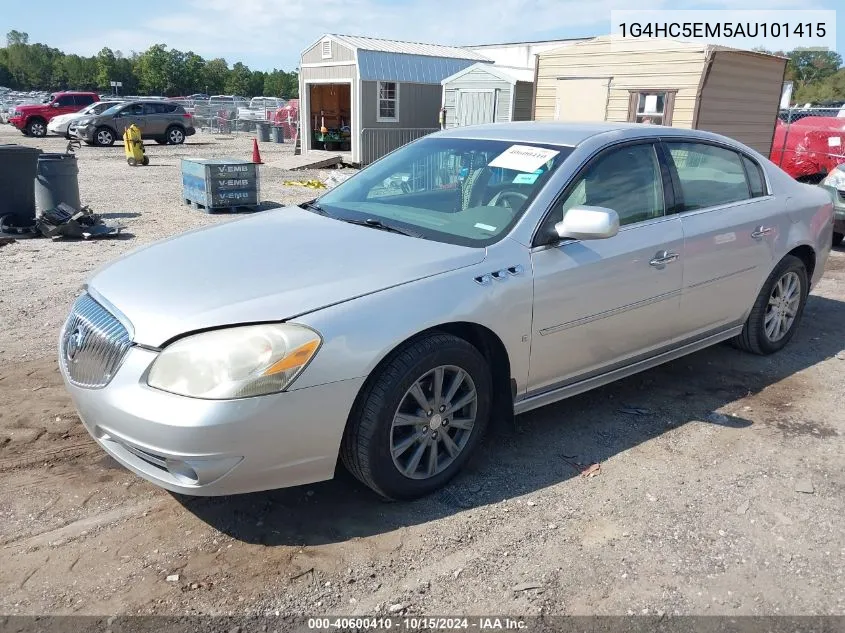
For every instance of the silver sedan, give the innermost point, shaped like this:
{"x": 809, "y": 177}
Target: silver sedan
{"x": 477, "y": 271}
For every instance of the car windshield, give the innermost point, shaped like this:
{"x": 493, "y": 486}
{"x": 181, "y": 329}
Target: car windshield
{"x": 461, "y": 191}
{"x": 112, "y": 110}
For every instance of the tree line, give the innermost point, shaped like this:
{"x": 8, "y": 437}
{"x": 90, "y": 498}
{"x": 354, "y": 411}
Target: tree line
{"x": 157, "y": 71}
{"x": 817, "y": 75}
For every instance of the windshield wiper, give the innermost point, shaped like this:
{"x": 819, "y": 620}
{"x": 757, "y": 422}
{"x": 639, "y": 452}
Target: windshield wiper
{"x": 381, "y": 226}
{"x": 313, "y": 206}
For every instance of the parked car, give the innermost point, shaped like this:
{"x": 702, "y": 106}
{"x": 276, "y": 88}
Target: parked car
{"x": 59, "y": 124}
{"x": 166, "y": 123}
{"x": 32, "y": 119}
{"x": 523, "y": 263}
{"x": 835, "y": 184}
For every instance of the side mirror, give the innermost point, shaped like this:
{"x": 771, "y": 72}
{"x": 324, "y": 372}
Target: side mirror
{"x": 55, "y": 104}
{"x": 588, "y": 223}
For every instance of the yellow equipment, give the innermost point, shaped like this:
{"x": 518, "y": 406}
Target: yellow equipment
{"x": 134, "y": 146}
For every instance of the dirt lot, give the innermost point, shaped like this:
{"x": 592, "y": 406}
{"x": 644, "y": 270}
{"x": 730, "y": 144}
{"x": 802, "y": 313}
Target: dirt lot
{"x": 721, "y": 489}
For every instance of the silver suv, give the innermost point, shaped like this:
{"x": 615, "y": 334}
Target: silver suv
{"x": 166, "y": 123}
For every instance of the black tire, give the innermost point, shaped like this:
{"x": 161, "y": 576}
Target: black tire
{"x": 161, "y": 141}
{"x": 753, "y": 337}
{"x": 37, "y": 128}
{"x": 175, "y": 135}
{"x": 104, "y": 137}
{"x": 837, "y": 238}
{"x": 132, "y": 162}
{"x": 145, "y": 161}
{"x": 366, "y": 446}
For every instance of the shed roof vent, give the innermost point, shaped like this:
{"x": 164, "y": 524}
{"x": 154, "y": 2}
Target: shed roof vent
{"x": 326, "y": 48}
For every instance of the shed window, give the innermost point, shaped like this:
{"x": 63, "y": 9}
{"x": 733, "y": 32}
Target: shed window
{"x": 326, "y": 49}
{"x": 649, "y": 106}
{"x": 388, "y": 101}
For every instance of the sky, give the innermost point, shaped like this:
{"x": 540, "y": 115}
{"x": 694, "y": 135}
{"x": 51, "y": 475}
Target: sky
{"x": 267, "y": 34}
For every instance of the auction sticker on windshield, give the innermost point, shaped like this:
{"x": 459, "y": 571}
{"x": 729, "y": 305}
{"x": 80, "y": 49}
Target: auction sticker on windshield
{"x": 523, "y": 158}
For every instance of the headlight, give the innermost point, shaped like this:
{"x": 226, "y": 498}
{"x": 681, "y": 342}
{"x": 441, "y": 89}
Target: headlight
{"x": 236, "y": 362}
{"x": 835, "y": 179}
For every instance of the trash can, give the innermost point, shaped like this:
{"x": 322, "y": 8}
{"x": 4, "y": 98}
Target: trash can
{"x": 262, "y": 131}
{"x": 277, "y": 134}
{"x": 18, "y": 167}
{"x": 57, "y": 181}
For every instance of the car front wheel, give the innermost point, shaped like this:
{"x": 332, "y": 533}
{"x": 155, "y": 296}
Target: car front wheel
{"x": 103, "y": 137}
{"x": 36, "y": 128}
{"x": 777, "y": 310}
{"x": 837, "y": 238}
{"x": 420, "y": 417}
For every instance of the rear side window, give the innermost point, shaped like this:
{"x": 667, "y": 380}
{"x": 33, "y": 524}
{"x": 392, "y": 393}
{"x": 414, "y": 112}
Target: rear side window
{"x": 756, "y": 182}
{"x": 709, "y": 175}
{"x": 83, "y": 100}
{"x": 65, "y": 100}
{"x": 159, "y": 108}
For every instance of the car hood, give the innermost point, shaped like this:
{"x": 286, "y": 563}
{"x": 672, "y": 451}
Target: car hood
{"x": 272, "y": 266}
{"x": 31, "y": 107}
{"x": 64, "y": 118}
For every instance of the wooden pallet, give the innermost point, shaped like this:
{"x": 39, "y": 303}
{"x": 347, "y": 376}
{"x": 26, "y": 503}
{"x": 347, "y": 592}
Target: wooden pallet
{"x": 234, "y": 209}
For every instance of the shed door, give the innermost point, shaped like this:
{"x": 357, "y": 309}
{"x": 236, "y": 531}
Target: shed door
{"x": 582, "y": 99}
{"x": 476, "y": 107}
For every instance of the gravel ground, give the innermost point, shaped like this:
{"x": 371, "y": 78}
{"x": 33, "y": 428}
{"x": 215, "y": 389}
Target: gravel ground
{"x": 40, "y": 277}
{"x": 721, "y": 487}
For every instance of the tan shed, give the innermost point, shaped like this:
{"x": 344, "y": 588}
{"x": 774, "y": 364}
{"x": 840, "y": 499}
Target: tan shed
{"x": 666, "y": 82}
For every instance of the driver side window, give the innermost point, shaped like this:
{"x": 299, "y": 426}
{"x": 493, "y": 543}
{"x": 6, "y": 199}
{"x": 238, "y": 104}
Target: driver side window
{"x": 627, "y": 180}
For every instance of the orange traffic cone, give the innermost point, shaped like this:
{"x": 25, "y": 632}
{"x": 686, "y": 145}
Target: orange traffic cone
{"x": 256, "y": 155}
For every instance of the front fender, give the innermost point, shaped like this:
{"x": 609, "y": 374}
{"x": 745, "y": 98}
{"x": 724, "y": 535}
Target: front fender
{"x": 359, "y": 334}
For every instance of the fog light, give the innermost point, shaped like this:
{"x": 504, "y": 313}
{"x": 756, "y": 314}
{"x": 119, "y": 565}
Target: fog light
{"x": 182, "y": 471}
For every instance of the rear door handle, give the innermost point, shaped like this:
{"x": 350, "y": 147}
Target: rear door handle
{"x": 761, "y": 232}
{"x": 663, "y": 258}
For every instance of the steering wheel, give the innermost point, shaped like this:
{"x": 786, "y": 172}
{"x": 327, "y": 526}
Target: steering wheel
{"x": 503, "y": 196}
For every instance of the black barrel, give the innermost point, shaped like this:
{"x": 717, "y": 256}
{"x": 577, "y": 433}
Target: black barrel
{"x": 57, "y": 181}
{"x": 262, "y": 130}
{"x": 277, "y": 134}
{"x": 18, "y": 166}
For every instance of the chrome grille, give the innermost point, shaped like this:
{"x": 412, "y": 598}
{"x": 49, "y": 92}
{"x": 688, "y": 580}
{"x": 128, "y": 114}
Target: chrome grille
{"x": 841, "y": 193}
{"x": 93, "y": 344}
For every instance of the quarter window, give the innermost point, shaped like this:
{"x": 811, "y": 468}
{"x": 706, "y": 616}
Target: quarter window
{"x": 626, "y": 180}
{"x": 709, "y": 175}
{"x": 388, "y": 101}
{"x": 756, "y": 182}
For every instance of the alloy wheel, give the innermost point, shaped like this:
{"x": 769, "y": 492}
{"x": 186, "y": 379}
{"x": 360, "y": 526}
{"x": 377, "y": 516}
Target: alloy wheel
{"x": 782, "y": 308}
{"x": 433, "y": 422}
{"x": 104, "y": 137}
{"x": 176, "y": 136}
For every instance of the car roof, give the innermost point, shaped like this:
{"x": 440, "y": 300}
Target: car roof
{"x": 568, "y": 134}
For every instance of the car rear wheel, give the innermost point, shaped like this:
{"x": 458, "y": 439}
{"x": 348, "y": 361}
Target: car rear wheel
{"x": 837, "y": 238}
{"x": 420, "y": 417}
{"x": 36, "y": 128}
{"x": 777, "y": 311}
{"x": 175, "y": 135}
{"x": 103, "y": 137}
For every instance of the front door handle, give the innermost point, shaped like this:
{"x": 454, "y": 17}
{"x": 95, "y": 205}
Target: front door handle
{"x": 761, "y": 232}
{"x": 664, "y": 257}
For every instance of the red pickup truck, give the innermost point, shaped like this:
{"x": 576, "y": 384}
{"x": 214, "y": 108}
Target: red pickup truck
{"x": 32, "y": 119}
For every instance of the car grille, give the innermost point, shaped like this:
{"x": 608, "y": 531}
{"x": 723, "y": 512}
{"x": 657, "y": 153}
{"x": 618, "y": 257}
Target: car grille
{"x": 841, "y": 193}
{"x": 93, "y": 344}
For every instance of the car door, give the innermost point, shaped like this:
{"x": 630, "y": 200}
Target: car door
{"x": 132, "y": 113}
{"x": 64, "y": 104}
{"x": 155, "y": 119}
{"x": 602, "y": 303}
{"x": 730, "y": 225}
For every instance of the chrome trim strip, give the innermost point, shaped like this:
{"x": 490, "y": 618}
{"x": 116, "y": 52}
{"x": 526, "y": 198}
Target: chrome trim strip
{"x": 609, "y": 313}
{"x": 538, "y": 400}
{"x": 715, "y": 279}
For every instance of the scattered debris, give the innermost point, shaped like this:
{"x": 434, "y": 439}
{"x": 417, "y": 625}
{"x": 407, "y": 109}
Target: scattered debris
{"x": 525, "y": 586}
{"x": 635, "y": 411}
{"x": 172, "y": 578}
{"x": 65, "y": 221}
{"x": 530, "y": 504}
{"x": 743, "y": 508}
{"x": 396, "y": 608}
{"x": 310, "y": 184}
{"x": 457, "y": 572}
{"x": 805, "y": 486}
{"x": 841, "y": 355}
{"x": 591, "y": 471}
